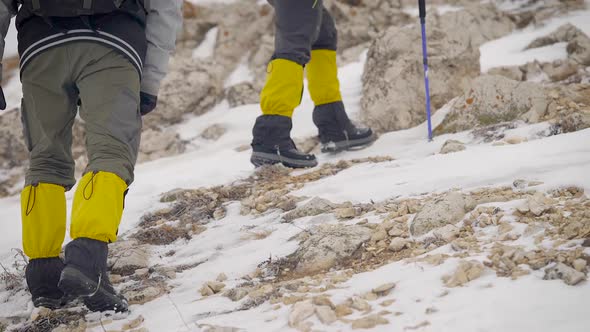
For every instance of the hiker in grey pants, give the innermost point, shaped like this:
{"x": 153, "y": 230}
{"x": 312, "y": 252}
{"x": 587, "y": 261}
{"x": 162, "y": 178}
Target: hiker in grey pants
{"x": 105, "y": 58}
{"x": 306, "y": 38}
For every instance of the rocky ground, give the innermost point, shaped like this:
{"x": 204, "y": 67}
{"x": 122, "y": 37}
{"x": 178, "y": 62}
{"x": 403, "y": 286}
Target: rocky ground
{"x": 327, "y": 249}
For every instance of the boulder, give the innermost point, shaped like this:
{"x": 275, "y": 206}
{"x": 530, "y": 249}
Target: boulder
{"x": 329, "y": 244}
{"x": 446, "y": 210}
{"x": 393, "y": 86}
{"x": 494, "y": 99}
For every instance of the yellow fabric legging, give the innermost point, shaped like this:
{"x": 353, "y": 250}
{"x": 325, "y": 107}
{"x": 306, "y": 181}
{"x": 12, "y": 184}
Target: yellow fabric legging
{"x": 43, "y": 210}
{"x": 98, "y": 207}
{"x": 322, "y": 75}
{"x": 96, "y": 213}
{"x": 283, "y": 89}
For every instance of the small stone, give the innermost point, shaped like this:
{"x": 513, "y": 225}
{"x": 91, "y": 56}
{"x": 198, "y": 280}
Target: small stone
{"x": 300, "y": 312}
{"x": 323, "y": 301}
{"x": 384, "y": 289}
{"x": 398, "y": 244}
{"x": 345, "y": 213}
{"x": 142, "y": 273}
{"x": 343, "y": 310}
{"x": 586, "y": 243}
{"x": 380, "y": 235}
{"x": 287, "y": 205}
{"x": 144, "y": 295}
{"x": 325, "y": 314}
{"x": 360, "y": 304}
{"x": 431, "y": 310}
{"x": 447, "y": 233}
{"x": 115, "y": 278}
{"x": 40, "y": 313}
{"x": 515, "y": 140}
{"x": 561, "y": 271}
{"x": 387, "y": 303}
{"x": 221, "y": 277}
{"x": 216, "y": 286}
{"x": 579, "y": 264}
{"x": 206, "y": 291}
{"x": 465, "y": 272}
{"x": 369, "y": 322}
{"x": 219, "y": 213}
{"x": 451, "y": 146}
{"x": 370, "y": 296}
{"x": 397, "y": 231}
{"x": 236, "y": 294}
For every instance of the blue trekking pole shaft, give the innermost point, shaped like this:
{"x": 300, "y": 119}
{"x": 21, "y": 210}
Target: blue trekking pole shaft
{"x": 422, "y": 8}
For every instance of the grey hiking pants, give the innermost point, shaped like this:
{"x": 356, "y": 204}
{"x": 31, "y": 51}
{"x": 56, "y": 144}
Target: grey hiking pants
{"x": 107, "y": 85}
{"x": 302, "y": 26}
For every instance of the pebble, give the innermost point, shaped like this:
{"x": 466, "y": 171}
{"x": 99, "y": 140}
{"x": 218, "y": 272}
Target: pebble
{"x": 397, "y": 244}
{"x": 325, "y": 314}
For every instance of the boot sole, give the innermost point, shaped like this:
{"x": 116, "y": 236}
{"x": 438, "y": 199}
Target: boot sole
{"x": 357, "y": 144}
{"x": 76, "y": 283}
{"x": 48, "y": 303}
{"x": 262, "y": 158}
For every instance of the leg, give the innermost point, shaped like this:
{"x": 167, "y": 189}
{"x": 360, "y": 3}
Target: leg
{"x": 48, "y": 112}
{"x": 335, "y": 129}
{"x": 109, "y": 89}
{"x": 297, "y": 26}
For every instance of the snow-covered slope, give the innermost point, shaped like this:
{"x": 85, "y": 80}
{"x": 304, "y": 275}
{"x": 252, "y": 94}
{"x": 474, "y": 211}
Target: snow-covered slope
{"x": 237, "y": 243}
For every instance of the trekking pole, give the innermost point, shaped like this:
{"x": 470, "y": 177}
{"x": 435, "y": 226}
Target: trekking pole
{"x": 422, "y": 7}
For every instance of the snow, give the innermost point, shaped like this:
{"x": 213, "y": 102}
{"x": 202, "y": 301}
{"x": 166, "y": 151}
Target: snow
{"x": 510, "y": 50}
{"x": 241, "y": 74}
{"x": 486, "y": 304}
{"x": 207, "y": 47}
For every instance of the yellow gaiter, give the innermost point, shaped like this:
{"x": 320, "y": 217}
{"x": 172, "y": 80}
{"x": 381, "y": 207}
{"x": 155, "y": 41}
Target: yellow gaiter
{"x": 98, "y": 207}
{"x": 43, "y": 211}
{"x": 322, "y": 75}
{"x": 283, "y": 89}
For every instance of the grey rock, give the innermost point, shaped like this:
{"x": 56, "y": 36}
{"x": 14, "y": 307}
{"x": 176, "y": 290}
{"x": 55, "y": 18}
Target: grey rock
{"x": 242, "y": 94}
{"x": 398, "y": 244}
{"x": 314, "y": 207}
{"x": 213, "y": 132}
{"x": 393, "y": 87}
{"x": 561, "y": 271}
{"x": 329, "y": 244}
{"x": 451, "y": 146}
{"x": 495, "y": 99}
{"x": 446, "y": 210}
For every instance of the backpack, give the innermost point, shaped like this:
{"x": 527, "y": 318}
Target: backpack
{"x": 74, "y": 8}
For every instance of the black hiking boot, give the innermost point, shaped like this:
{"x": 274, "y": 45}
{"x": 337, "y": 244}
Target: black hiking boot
{"x": 272, "y": 144}
{"x": 42, "y": 276}
{"x": 85, "y": 276}
{"x": 337, "y": 132}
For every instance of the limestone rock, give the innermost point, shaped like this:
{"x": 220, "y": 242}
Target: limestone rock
{"x": 360, "y": 304}
{"x": 325, "y": 314}
{"x": 215, "y": 286}
{"x": 561, "y": 271}
{"x": 579, "y": 264}
{"x": 157, "y": 144}
{"x": 143, "y": 295}
{"x": 213, "y": 132}
{"x": 393, "y": 87}
{"x": 466, "y": 272}
{"x": 446, "y": 210}
{"x": 384, "y": 289}
{"x": 242, "y": 94}
{"x": 447, "y": 233}
{"x": 451, "y": 146}
{"x": 236, "y": 294}
{"x": 300, "y": 312}
{"x": 126, "y": 257}
{"x": 327, "y": 245}
{"x": 312, "y": 208}
{"x": 368, "y": 322}
{"x": 494, "y": 99}
{"x": 536, "y": 204}
{"x": 398, "y": 244}
{"x": 343, "y": 310}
